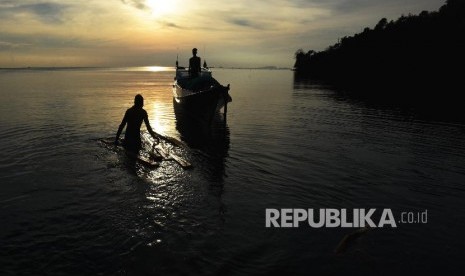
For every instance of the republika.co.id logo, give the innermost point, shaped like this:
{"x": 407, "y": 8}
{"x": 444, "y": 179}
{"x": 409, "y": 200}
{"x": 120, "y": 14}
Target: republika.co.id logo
{"x": 345, "y": 218}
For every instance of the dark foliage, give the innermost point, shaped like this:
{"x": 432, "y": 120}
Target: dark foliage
{"x": 425, "y": 50}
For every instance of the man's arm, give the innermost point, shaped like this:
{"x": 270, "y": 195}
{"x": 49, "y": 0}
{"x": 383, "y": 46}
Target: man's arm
{"x": 149, "y": 128}
{"x": 121, "y": 127}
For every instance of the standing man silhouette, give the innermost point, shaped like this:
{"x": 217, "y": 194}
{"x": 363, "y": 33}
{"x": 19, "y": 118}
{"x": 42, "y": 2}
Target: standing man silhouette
{"x": 194, "y": 64}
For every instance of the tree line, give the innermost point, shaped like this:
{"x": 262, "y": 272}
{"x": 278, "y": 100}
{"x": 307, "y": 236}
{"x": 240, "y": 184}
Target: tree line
{"x": 419, "y": 50}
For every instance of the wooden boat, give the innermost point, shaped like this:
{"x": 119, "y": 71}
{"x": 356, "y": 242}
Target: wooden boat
{"x": 202, "y": 95}
{"x": 154, "y": 154}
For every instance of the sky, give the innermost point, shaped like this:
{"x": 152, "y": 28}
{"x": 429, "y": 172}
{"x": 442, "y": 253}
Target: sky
{"x": 232, "y": 33}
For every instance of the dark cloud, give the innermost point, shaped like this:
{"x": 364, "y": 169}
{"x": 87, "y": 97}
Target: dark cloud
{"x": 348, "y": 6}
{"x": 139, "y": 4}
{"x": 337, "y": 5}
{"x": 242, "y": 22}
{"x": 44, "y": 11}
{"x": 172, "y": 25}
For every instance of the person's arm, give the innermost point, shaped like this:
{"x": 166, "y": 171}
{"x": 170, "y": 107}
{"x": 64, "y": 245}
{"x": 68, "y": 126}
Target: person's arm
{"x": 149, "y": 128}
{"x": 121, "y": 127}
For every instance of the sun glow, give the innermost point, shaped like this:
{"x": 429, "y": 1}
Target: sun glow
{"x": 161, "y": 7}
{"x": 158, "y": 68}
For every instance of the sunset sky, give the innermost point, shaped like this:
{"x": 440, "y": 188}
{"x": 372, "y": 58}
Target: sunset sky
{"x": 151, "y": 32}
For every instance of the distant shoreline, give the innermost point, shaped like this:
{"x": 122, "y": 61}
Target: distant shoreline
{"x": 51, "y": 68}
{"x": 64, "y": 68}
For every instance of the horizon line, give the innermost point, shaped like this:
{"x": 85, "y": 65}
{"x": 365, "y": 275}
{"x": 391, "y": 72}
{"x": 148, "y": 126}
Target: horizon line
{"x": 149, "y": 68}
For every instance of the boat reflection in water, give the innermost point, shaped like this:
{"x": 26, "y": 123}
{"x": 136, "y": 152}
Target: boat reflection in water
{"x": 197, "y": 102}
{"x": 209, "y": 138}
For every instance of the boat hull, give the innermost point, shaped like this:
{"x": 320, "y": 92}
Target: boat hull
{"x": 202, "y": 96}
{"x": 203, "y": 104}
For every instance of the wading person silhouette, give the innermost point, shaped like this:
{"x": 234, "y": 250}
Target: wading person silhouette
{"x": 133, "y": 118}
{"x": 194, "y": 64}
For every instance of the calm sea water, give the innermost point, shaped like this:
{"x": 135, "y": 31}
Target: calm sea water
{"x": 68, "y": 205}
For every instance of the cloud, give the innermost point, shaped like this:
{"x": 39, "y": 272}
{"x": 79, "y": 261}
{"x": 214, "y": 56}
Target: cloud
{"x": 241, "y": 22}
{"x": 27, "y": 42}
{"x": 138, "y": 4}
{"x": 5, "y": 45}
{"x": 47, "y": 12}
{"x": 170, "y": 24}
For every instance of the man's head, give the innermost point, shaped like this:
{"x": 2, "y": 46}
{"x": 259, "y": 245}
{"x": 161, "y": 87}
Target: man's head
{"x": 194, "y": 51}
{"x": 139, "y": 101}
